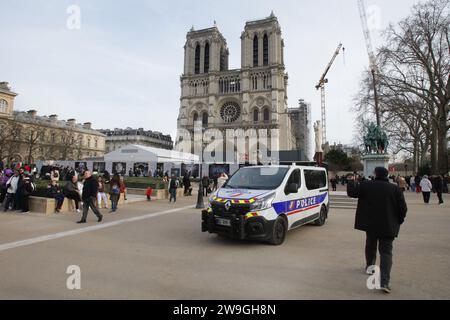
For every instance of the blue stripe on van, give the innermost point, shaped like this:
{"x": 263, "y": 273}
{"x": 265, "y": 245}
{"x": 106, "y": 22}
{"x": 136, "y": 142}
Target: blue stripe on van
{"x": 294, "y": 205}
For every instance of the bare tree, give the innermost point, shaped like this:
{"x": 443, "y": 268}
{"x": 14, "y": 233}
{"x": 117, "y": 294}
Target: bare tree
{"x": 414, "y": 84}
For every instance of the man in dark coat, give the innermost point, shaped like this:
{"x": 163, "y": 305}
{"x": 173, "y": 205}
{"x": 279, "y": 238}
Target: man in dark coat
{"x": 89, "y": 196}
{"x": 381, "y": 211}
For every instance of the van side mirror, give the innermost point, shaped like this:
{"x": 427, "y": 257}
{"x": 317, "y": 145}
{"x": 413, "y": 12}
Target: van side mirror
{"x": 292, "y": 188}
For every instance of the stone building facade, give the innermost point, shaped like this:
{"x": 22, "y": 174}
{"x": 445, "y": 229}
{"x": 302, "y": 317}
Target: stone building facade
{"x": 301, "y": 122}
{"x": 118, "y": 138}
{"x": 27, "y": 137}
{"x": 252, "y": 97}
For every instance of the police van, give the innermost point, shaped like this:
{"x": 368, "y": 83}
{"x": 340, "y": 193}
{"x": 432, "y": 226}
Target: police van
{"x": 264, "y": 202}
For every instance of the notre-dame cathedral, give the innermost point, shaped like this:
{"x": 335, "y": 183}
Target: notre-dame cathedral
{"x": 252, "y": 97}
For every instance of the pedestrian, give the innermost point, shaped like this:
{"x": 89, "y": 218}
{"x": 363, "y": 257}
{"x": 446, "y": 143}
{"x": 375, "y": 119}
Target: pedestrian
{"x": 101, "y": 193}
{"x": 381, "y": 211}
{"x": 28, "y": 188}
{"x": 412, "y": 183}
{"x": 174, "y": 184}
{"x": 11, "y": 190}
{"x": 186, "y": 183}
{"x": 55, "y": 192}
{"x": 123, "y": 188}
{"x": 402, "y": 183}
{"x": 439, "y": 188}
{"x": 90, "y": 190}
{"x": 7, "y": 173}
{"x": 114, "y": 193}
{"x": 222, "y": 180}
{"x": 205, "y": 184}
{"x": 334, "y": 184}
{"x": 72, "y": 192}
{"x": 417, "y": 183}
{"x": 426, "y": 187}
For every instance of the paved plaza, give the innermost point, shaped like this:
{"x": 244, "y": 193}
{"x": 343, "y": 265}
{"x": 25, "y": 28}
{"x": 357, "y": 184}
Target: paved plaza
{"x": 157, "y": 251}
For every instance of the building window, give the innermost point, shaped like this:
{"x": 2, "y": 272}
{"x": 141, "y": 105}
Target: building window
{"x": 197, "y": 59}
{"x": 222, "y": 59}
{"x": 206, "y": 67}
{"x": 266, "y": 50}
{"x": 96, "y": 143}
{"x": 255, "y": 115}
{"x": 195, "y": 117}
{"x": 266, "y": 115}
{"x": 255, "y": 51}
{"x": 53, "y": 137}
{"x": 3, "y": 106}
{"x": 88, "y": 143}
{"x": 205, "y": 119}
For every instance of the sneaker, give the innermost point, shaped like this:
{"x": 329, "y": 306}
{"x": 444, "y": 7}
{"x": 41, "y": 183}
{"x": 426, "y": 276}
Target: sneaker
{"x": 370, "y": 270}
{"x": 78, "y": 211}
{"x": 386, "y": 289}
{"x": 25, "y": 212}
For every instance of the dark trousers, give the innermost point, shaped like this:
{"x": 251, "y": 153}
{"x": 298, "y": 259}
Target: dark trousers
{"x": 8, "y": 201}
{"x": 90, "y": 203}
{"x": 75, "y": 196}
{"x": 2, "y": 195}
{"x": 426, "y": 197}
{"x": 173, "y": 194}
{"x": 385, "y": 246}
{"x": 439, "y": 195}
{"x": 17, "y": 200}
{"x": 25, "y": 202}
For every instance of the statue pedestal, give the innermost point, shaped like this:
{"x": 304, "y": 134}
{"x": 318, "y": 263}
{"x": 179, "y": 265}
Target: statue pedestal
{"x": 372, "y": 161}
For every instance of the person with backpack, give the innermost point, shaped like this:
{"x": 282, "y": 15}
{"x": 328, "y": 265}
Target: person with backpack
{"x": 426, "y": 186}
{"x": 28, "y": 188}
{"x": 11, "y": 190}
{"x": 114, "y": 193}
{"x": 174, "y": 184}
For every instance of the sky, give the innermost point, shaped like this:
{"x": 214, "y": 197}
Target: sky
{"x": 122, "y": 66}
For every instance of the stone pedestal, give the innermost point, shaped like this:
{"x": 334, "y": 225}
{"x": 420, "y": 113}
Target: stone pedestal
{"x": 372, "y": 161}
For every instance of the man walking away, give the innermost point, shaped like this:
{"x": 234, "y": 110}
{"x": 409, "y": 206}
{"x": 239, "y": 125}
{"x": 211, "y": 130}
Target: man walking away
{"x": 174, "y": 184}
{"x": 90, "y": 190}
{"x": 426, "y": 187}
{"x": 439, "y": 188}
{"x": 380, "y": 213}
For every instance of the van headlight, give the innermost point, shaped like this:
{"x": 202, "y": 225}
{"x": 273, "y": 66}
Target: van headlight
{"x": 264, "y": 203}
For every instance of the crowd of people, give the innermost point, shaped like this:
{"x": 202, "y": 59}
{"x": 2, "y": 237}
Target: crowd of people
{"x": 426, "y": 185}
{"x": 18, "y": 183}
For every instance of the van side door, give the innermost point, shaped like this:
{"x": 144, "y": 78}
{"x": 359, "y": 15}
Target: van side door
{"x": 293, "y": 196}
{"x": 315, "y": 191}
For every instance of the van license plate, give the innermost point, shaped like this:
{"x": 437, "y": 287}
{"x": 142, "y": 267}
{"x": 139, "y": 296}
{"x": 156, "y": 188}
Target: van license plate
{"x": 223, "y": 222}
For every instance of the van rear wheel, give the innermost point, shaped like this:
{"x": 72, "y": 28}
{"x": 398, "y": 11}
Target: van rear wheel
{"x": 322, "y": 217}
{"x": 279, "y": 232}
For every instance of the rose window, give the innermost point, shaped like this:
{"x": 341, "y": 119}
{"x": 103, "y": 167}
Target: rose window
{"x": 230, "y": 112}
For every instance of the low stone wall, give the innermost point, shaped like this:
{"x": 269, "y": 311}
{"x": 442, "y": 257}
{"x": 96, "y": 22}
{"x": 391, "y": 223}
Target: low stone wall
{"x": 48, "y": 205}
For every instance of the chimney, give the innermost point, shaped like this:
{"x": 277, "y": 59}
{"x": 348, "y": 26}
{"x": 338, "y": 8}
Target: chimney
{"x": 5, "y": 86}
{"x": 71, "y": 122}
{"x": 53, "y": 117}
{"x": 87, "y": 125}
{"x": 32, "y": 113}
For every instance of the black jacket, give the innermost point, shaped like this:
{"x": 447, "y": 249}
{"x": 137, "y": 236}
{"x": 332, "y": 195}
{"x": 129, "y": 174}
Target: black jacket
{"x": 90, "y": 188}
{"x": 381, "y": 207}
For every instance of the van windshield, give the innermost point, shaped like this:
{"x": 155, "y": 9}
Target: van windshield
{"x": 257, "y": 178}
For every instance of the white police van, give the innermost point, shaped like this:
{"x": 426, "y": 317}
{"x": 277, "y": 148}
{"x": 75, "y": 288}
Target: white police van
{"x": 264, "y": 202}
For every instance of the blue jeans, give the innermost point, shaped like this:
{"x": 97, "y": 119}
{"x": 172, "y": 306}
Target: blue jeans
{"x": 173, "y": 195}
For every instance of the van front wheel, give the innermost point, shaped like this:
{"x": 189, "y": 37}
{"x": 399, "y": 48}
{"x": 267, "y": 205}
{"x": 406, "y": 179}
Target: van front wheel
{"x": 279, "y": 232}
{"x": 322, "y": 217}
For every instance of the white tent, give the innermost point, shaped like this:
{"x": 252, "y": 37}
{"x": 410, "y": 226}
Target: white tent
{"x": 137, "y": 153}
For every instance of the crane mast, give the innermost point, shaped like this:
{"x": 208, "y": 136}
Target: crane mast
{"x": 321, "y": 85}
{"x": 372, "y": 60}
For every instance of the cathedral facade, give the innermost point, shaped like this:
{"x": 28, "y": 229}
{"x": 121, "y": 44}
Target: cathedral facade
{"x": 251, "y": 99}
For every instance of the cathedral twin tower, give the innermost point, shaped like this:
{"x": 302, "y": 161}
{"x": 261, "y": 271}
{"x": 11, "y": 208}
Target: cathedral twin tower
{"x": 253, "y": 97}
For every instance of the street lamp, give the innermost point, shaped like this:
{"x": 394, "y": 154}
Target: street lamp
{"x": 200, "y": 202}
